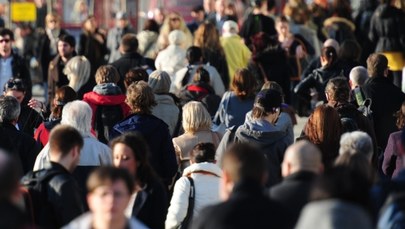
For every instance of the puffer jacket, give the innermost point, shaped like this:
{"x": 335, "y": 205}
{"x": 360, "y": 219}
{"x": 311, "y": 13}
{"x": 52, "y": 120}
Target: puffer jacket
{"x": 167, "y": 110}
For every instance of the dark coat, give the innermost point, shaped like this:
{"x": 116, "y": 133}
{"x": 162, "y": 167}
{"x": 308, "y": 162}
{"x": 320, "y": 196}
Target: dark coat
{"x": 217, "y": 60}
{"x": 203, "y": 93}
{"x": 93, "y": 50}
{"x": 393, "y": 161}
{"x": 293, "y": 192}
{"x": 56, "y": 77}
{"x": 156, "y": 133}
{"x": 20, "y": 70}
{"x": 386, "y": 29}
{"x": 29, "y": 120}
{"x": 20, "y": 145}
{"x": 13, "y": 217}
{"x": 247, "y": 207}
{"x": 386, "y": 100}
{"x": 256, "y": 23}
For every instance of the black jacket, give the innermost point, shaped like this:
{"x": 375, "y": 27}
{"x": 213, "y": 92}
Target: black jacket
{"x": 29, "y": 120}
{"x": 247, "y": 207}
{"x": 203, "y": 93}
{"x": 256, "y": 23}
{"x": 217, "y": 60}
{"x": 20, "y": 71}
{"x": 93, "y": 49}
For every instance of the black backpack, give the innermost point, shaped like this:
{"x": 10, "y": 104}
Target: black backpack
{"x": 106, "y": 117}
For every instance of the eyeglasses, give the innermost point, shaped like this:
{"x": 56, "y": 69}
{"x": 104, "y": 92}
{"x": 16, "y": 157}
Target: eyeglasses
{"x": 4, "y": 40}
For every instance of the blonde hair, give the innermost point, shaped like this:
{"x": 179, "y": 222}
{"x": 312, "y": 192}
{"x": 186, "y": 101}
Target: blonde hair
{"x": 107, "y": 74}
{"x": 51, "y": 16}
{"x": 140, "y": 98}
{"x": 195, "y": 117}
{"x": 163, "y": 40}
{"x": 207, "y": 37}
{"x": 77, "y": 70}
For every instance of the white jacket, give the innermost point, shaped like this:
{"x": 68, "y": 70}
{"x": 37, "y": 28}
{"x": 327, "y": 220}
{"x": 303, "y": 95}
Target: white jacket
{"x": 206, "y": 192}
{"x": 171, "y": 59}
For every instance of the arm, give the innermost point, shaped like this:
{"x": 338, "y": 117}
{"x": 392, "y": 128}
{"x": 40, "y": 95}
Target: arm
{"x": 305, "y": 84}
{"x": 216, "y": 82}
{"x": 179, "y": 204}
{"x": 389, "y": 153}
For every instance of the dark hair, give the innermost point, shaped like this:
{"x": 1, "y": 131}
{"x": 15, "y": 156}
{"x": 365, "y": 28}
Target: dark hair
{"x": 194, "y": 54}
{"x": 9, "y": 176}
{"x": 201, "y": 75}
{"x": 338, "y": 89}
{"x": 151, "y": 25}
{"x": 350, "y": 50}
{"x": 197, "y": 9}
{"x": 63, "y": 138}
{"x": 129, "y": 43}
{"x": 376, "y": 64}
{"x": 14, "y": 84}
{"x": 203, "y": 152}
{"x": 135, "y": 141}
{"x": 68, "y": 39}
{"x": 263, "y": 42}
{"x": 107, "y": 176}
{"x": 274, "y": 86}
{"x": 267, "y": 101}
{"x": 243, "y": 84}
{"x": 5, "y": 31}
{"x": 342, "y": 8}
{"x": 329, "y": 53}
{"x": 63, "y": 95}
{"x": 134, "y": 75}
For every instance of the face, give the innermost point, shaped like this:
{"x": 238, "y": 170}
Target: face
{"x": 5, "y": 45}
{"x": 121, "y": 23}
{"x": 282, "y": 28}
{"x": 52, "y": 23}
{"x": 64, "y": 49}
{"x": 110, "y": 201}
{"x": 220, "y": 7}
{"x": 174, "y": 21}
{"x": 19, "y": 95}
{"x": 123, "y": 157}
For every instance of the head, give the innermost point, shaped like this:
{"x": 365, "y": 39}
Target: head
{"x": 274, "y": 86}
{"x": 159, "y": 15}
{"x": 241, "y": 162}
{"x": 174, "y": 21}
{"x": 177, "y": 37}
{"x": 160, "y": 82}
{"x": 151, "y": 25}
{"x": 78, "y": 115}
{"x": 121, "y": 19}
{"x": 350, "y": 50}
{"x": 262, "y": 41}
{"x": 302, "y": 156}
{"x": 9, "y": 109}
{"x": 377, "y": 65}
{"x": 220, "y": 6}
{"x": 90, "y": 24}
{"x": 282, "y": 26}
{"x": 63, "y": 95}
{"x": 337, "y": 90}
{"x": 207, "y": 37}
{"x": 6, "y": 42}
{"x": 129, "y": 43}
{"x": 356, "y": 142}
{"x": 77, "y": 71}
{"x": 134, "y": 75}
{"x": 209, "y": 6}
{"x": 52, "y": 21}
{"x": 140, "y": 98}
{"x": 130, "y": 151}
{"x": 66, "y": 46}
{"x": 109, "y": 191}
{"x": 358, "y": 163}
{"x": 267, "y": 105}
{"x": 298, "y": 11}
{"x": 194, "y": 55}
{"x": 342, "y": 8}
{"x": 230, "y": 28}
{"x": 107, "y": 74}
{"x": 16, "y": 88}
{"x": 400, "y": 115}
{"x": 198, "y": 13}
{"x": 243, "y": 84}
{"x": 195, "y": 117}
{"x": 201, "y": 75}
{"x": 332, "y": 43}
{"x": 358, "y": 76}
{"x": 328, "y": 57}
{"x": 203, "y": 152}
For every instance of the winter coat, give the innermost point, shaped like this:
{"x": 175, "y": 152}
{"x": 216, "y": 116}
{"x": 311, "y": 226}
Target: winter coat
{"x": 171, "y": 59}
{"x": 93, "y": 49}
{"x": 147, "y": 43}
{"x": 167, "y": 110}
{"x": 114, "y": 39}
{"x": 203, "y": 93}
{"x": 41, "y": 134}
{"x": 218, "y": 61}
{"x": 393, "y": 163}
{"x": 256, "y": 23}
{"x": 206, "y": 177}
{"x": 85, "y": 221}
{"x": 339, "y": 28}
{"x": 29, "y": 120}
{"x": 156, "y": 133}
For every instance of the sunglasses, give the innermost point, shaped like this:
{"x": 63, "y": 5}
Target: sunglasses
{"x": 15, "y": 85}
{"x": 4, "y": 40}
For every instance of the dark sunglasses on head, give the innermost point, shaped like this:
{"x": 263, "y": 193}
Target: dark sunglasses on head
{"x": 15, "y": 85}
{"x": 4, "y": 40}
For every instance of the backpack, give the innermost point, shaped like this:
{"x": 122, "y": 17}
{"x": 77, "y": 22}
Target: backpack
{"x": 106, "y": 117}
{"x": 393, "y": 214}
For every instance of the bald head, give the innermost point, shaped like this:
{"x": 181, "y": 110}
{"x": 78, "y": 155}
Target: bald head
{"x": 302, "y": 156}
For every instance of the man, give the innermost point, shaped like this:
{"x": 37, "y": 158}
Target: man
{"x": 122, "y": 27}
{"x": 357, "y": 77}
{"x": 356, "y": 142}
{"x": 386, "y": 97}
{"x": 217, "y": 18}
{"x": 244, "y": 172}
{"x": 56, "y": 77}
{"x": 20, "y": 145}
{"x": 130, "y": 58}
{"x": 198, "y": 15}
{"x": 12, "y": 65}
{"x": 62, "y": 196}
{"x": 110, "y": 191}
{"x": 302, "y": 162}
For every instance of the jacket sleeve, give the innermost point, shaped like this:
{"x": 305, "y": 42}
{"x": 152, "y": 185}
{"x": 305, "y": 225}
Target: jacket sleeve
{"x": 217, "y": 83}
{"x": 388, "y": 154}
{"x": 179, "y": 204}
{"x": 222, "y": 146}
{"x": 305, "y": 84}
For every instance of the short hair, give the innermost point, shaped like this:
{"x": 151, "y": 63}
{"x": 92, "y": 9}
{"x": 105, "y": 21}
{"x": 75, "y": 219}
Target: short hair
{"x": 52, "y": 15}
{"x": 304, "y": 155}
{"x": 197, "y": 9}
{"x": 194, "y": 54}
{"x": 63, "y": 138}
{"x": 151, "y": 25}
{"x": 331, "y": 43}
{"x": 5, "y": 31}
{"x": 107, "y": 176}
{"x": 195, "y": 117}
{"x": 356, "y": 142}
{"x": 140, "y": 97}
{"x": 14, "y": 84}
{"x": 358, "y": 75}
{"x": 203, "y": 152}
{"x": 338, "y": 89}
{"x": 78, "y": 71}
{"x": 134, "y": 75}
{"x": 350, "y": 50}
{"x": 9, "y": 176}
{"x": 129, "y": 43}
{"x": 243, "y": 161}
{"x": 68, "y": 39}
{"x": 63, "y": 95}
{"x": 274, "y": 86}
{"x": 243, "y": 84}
{"x": 9, "y": 109}
{"x": 376, "y": 64}
{"x": 77, "y": 114}
{"x": 107, "y": 74}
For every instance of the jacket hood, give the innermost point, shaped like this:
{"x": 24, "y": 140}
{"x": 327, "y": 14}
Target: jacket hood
{"x": 204, "y": 167}
{"x": 107, "y": 89}
{"x": 99, "y": 99}
{"x": 144, "y": 123}
{"x": 335, "y": 20}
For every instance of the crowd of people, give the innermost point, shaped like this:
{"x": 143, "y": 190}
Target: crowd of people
{"x": 190, "y": 125}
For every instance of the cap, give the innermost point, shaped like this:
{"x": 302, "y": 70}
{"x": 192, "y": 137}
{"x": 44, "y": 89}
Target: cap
{"x": 121, "y": 15}
{"x": 268, "y": 99}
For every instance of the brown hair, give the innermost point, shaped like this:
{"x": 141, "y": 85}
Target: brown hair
{"x": 107, "y": 176}
{"x": 63, "y": 95}
{"x": 140, "y": 98}
{"x": 63, "y": 139}
{"x": 243, "y": 84}
{"x": 134, "y": 75}
{"x": 376, "y": 64}
{"x": 338, "y": 89}
{"x": 129, "y": 43}
{"x": 400, "y": 115}
{"x": 207, "y": 37}
{"x": 107, "y": 74}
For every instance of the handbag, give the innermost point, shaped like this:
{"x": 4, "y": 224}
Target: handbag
{"x": 186, "y": 222}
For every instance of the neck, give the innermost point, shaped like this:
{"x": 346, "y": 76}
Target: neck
{"x": 65, "y": 162}
{"x": 6, "y": 55}
{"x": 118, "y": 223}
{"x": 65, "y": 58}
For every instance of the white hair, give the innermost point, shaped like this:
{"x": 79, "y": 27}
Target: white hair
{"x": 356, "y": 142}
{"x": 77, "y": 114}
{"x": 358, "y": 75}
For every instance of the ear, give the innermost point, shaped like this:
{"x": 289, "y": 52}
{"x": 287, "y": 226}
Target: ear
{"x": 226, "y": 186}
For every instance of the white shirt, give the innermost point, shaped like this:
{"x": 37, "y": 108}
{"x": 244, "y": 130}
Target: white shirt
{"x": 6, "y": 72}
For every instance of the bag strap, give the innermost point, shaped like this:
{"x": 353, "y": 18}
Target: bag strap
{"x": 190, "y": 208}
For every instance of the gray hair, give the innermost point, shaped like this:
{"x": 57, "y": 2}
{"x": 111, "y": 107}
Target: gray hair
{"x": 358, "y": 75}
{"x": 356, "y": 142}
{"x": 77, "y": 114}
{"x": 9, "y": 109}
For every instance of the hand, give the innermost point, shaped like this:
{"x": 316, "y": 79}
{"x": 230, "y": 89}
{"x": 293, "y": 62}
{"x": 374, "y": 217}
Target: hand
{"x": 36, "y": 104}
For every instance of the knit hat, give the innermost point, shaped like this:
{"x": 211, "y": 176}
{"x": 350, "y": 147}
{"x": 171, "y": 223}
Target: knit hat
{"x": 159, "y": 81}
{"x": 268, "y": 99}
{"x": 176, "y": 37}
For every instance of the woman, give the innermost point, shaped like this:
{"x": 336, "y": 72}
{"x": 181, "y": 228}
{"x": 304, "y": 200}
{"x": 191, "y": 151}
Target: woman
{"x": 205, "y": 175}
{"x": 63, "y": 95}
{"x": 172, "y": 22}
{"x": 324, "y": 129}
{"x": 197, "y": 128}
{"x": 77, "y": 71}
{"x": 147, "y": 39}
{"x": 207, "y": 38}
{"x": 238, "y": 101}
{"x": 149, "y": 201}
